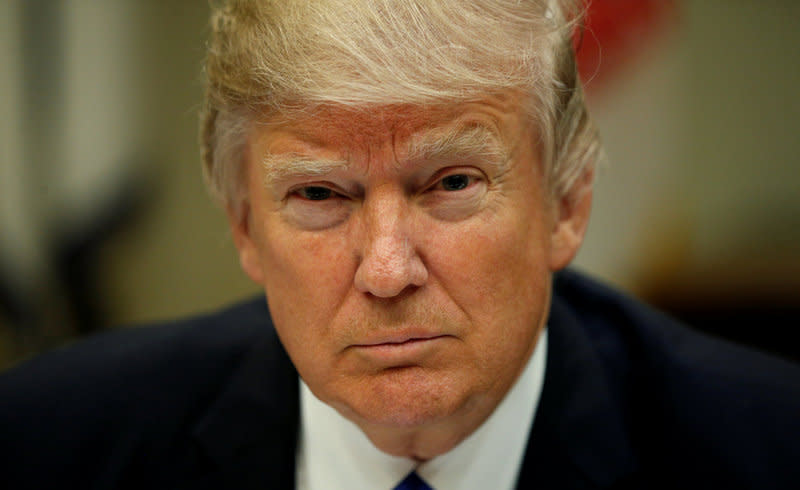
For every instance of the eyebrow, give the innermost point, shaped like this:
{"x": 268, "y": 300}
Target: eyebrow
{"x": 471, "y": 141}
{"x": 284, "y": 167}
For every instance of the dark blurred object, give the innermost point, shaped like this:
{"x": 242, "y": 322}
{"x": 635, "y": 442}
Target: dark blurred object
{"x": 754, "y": 302}
{"x": 762, "y": 326}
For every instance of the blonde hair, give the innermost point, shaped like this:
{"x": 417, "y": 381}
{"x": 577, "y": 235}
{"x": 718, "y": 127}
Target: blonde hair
{"x": 278, "y": 56}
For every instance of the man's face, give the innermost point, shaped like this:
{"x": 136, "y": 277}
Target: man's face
{"x": 406, "y": 254}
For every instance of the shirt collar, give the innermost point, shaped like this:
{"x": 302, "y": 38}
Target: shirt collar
{"x": 334, "y": 453}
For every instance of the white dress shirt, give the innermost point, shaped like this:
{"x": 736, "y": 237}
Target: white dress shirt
{"x": 334, "y": 454}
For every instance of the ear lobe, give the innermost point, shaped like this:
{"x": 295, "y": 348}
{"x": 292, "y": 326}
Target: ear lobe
{"x": 571, "y": 222}
{"x": 249, "y": 258}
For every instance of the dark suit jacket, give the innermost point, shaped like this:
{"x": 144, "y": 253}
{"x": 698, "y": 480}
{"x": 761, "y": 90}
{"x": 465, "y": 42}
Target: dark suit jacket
{"x": 630, "y": 400}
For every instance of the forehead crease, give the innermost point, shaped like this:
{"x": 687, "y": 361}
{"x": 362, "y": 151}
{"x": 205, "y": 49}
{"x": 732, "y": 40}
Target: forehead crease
{"x": 364, "y": 123}
{"x": 328, "y": 138}
{"x": 344, "y": 132}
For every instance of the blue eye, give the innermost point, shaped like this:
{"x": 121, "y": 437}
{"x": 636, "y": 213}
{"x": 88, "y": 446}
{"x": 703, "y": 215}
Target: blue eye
{"x": 455, "y": 182}
{"x": 315, "y": 193}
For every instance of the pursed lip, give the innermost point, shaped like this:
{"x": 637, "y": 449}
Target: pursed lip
{"x": 397, "y": 338}
{"x": 400, "y": 349}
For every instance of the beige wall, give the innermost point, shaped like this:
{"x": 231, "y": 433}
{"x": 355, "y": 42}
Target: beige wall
{"x": 178, "y": 258}
{"x": 703, "y": 140}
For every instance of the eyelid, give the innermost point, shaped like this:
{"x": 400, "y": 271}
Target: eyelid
{"x": 335, "y": 190}
{"x": 471, "y": 172}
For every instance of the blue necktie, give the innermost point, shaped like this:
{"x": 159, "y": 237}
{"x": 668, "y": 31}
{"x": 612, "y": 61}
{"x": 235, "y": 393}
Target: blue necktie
{"x": 413, "y": 482}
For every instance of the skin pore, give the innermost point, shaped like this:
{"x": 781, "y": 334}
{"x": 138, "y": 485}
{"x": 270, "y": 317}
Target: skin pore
{"x": 406, "y": 254}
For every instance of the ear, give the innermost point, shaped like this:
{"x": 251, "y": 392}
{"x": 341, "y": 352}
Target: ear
{"x": 571, "y": 219}
{"x": 241, "y": 231}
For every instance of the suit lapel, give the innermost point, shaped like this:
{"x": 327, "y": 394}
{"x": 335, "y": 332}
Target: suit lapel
{"x": 250, "y": 432}
{"x": 578, "y": 439}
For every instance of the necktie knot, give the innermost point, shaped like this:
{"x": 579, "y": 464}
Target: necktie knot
{"x": 413, "y": 482}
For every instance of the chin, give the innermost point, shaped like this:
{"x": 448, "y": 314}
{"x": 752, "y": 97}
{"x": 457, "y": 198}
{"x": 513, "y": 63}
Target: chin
{"x": 407, "y": 398}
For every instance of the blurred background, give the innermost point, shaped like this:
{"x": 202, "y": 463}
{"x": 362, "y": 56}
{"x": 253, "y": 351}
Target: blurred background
{"x": 104, "y": 220}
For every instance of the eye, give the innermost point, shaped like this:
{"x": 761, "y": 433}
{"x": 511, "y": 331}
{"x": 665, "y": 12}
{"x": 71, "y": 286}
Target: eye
{"x": 316, "y": 206}
{"x": 455, "y": 182}
{"x": 315, "y": 193}
{"x": 455, "y": 193}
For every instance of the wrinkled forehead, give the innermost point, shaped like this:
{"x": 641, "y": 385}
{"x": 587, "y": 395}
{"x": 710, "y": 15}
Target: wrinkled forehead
{"x": 355, "y": 126}
{"x": 498, "y": 120}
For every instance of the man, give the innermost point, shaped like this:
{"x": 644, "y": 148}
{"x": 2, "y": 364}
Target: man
{"x": 404, "y": 179}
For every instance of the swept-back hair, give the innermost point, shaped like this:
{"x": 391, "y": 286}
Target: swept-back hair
{"x": 278, "y": 56}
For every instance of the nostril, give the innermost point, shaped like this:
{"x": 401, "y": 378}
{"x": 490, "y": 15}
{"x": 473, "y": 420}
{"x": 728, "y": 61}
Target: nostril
{"x": 393, "y": 298}
{"x": 387, "y": 271}
{"x": 381, "y": 278}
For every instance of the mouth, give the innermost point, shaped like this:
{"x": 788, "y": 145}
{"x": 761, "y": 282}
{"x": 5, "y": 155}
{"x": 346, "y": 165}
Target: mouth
{"x": 398, "y": 340}
{"x": 400, "y": 349}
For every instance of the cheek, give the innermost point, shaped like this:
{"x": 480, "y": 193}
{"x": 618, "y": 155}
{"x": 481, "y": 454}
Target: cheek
{"x": 505, "y": 259}
{"x": 501, "y": 281}
{"x": 304, "y": 270}
{"x": 304, "y": 265}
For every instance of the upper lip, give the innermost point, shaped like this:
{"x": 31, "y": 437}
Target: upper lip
{"x": 397, "y": 338}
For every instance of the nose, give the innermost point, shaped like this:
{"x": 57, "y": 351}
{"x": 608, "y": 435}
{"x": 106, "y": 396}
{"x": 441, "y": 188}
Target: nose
{"x": 390, "y": 262}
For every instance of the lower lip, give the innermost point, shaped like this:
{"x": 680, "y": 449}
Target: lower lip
{"x": 404, "y": 352}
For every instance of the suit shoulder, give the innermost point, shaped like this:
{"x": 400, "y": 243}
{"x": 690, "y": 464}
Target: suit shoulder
{"x": 93, "y": 410}
{"x": 695, "y": 407}
{"x": 632, "y": 333}
{"x": 185, "y": 340}
{"x": 687, "y": 396}
{"x": 172, "y": 362}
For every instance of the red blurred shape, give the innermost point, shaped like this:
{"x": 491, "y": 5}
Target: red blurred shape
{"x": 616, "y": 32}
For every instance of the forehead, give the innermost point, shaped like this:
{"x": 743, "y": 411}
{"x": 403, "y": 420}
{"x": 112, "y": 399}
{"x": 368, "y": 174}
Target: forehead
{"x": 499, "y": 117}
